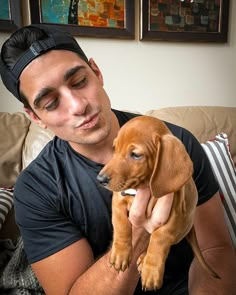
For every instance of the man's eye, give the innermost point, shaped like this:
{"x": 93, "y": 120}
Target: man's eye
{"x": 80, "y": 83}
{"x": 135, "y": 156}
{"x": 52, "y": 105}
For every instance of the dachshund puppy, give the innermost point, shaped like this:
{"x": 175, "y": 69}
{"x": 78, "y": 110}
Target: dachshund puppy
{"x": 146, "y": 153}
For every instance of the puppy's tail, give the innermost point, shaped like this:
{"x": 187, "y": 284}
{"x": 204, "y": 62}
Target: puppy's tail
{"x": 192, "y": 239}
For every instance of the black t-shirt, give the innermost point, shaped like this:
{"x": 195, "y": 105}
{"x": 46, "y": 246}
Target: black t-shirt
{"x": 58, "y": 200}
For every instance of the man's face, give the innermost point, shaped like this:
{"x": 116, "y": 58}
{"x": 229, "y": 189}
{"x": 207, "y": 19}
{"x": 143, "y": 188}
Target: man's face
{"x": 68, "y": 97}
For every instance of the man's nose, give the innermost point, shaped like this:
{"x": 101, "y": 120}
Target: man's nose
{"x": 76, "y": 104}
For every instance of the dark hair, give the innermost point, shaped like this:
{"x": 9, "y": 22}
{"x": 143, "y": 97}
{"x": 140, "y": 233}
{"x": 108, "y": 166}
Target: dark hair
{"x": 26, "y": 44}
{"x": 19, "y": 42}
{"x": 15, "y": 47}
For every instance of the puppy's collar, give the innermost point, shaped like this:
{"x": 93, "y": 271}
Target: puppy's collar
{"x": 129, "y": 192}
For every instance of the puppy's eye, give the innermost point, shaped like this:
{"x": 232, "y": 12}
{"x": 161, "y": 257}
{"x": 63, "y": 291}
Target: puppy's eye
{"x": 135, "y": 156}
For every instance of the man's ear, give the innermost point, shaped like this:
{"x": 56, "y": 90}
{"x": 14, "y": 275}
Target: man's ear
{"x": 96, "y": 70}
{"x": 35, "y": 118}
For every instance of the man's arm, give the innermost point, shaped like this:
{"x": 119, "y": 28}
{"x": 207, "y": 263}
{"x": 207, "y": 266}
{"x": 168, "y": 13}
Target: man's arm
{"x": 74, "y": 271}
{"x": 217, "y": 248}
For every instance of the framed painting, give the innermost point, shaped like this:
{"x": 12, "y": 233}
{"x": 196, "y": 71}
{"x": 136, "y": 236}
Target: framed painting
{"x": 10, "y": 16}
{"x": 184, "y": 20}
{"x": 95, "y": 18}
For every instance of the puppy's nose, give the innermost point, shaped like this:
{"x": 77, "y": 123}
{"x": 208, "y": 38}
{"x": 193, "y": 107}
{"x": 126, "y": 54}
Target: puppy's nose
{"x": 103, "y": 179}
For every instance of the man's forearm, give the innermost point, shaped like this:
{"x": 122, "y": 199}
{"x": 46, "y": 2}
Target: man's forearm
{"x": 223, "y": 261}
{"x": 103, "y": 279}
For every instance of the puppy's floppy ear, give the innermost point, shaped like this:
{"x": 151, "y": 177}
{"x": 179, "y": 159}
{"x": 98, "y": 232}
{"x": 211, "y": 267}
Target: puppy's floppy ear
{"x": 173, "y": 166}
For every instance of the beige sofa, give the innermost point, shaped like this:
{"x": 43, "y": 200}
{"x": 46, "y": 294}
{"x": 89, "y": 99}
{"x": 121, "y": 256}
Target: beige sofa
{"x": 22, "y": 140}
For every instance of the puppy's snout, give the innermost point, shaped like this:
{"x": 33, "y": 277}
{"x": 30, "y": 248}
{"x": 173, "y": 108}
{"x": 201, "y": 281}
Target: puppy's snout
{"x": 103, "y": 179}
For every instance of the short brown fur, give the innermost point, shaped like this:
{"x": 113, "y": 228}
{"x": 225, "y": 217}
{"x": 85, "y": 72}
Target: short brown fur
{"x": 147, "y": 154}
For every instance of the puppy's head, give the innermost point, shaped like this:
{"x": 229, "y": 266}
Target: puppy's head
{"x": 146, "y": 153}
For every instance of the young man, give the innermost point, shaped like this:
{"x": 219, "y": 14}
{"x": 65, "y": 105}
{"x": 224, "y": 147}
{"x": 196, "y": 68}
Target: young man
{"x": 63, "y": 213}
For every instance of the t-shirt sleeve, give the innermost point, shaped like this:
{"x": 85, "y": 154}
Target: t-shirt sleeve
{"x": 43, "y": 226}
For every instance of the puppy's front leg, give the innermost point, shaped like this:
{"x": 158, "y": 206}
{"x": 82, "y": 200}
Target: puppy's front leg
{"x": 121, "y": 251}
{"x": 152, "y": 265}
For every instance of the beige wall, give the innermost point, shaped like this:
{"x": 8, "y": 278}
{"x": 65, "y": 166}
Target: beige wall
{"x": 146, "y": 75}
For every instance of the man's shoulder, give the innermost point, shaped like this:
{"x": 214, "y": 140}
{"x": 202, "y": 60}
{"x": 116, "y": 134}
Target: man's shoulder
{"x": 42, "y": 177}
{"x": 47, "y": 160}
{"x": 179, "y": 131}
{"x": 124, "y": 116}
{"x": 186, "y": 136}
{"x": 55, "y": 148}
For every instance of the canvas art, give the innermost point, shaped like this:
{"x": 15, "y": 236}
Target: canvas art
{"x": 10, "y": 15}
{"x": 95, "y": 13}
{"x": 184, "y": 20}
{"x": 5, "y": 10}
{"x": 95, "y": 18}
{"x": 184, "y": 16}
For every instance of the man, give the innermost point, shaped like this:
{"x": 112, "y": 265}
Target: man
{"x": 63, "y": 214}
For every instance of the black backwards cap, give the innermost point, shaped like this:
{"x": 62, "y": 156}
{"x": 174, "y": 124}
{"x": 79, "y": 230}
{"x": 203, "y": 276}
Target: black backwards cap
{"x": 57, "y": 39}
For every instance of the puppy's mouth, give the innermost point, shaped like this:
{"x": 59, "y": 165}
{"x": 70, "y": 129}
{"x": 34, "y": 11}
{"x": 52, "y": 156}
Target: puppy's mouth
{"x": 129, "y": 185}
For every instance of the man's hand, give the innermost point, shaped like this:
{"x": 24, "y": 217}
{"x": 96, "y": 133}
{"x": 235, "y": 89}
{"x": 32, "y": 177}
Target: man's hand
{"x": 138, "y": 211}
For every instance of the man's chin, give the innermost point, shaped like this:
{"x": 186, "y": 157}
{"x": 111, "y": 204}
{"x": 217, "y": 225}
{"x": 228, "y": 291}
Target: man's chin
{"x": 90, "y": 137}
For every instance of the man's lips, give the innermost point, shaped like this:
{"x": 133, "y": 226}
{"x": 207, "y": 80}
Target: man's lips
{"x": 88, "y": 123}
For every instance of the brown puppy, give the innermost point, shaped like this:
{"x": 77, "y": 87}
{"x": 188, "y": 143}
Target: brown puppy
{"x": 147, "y": 154}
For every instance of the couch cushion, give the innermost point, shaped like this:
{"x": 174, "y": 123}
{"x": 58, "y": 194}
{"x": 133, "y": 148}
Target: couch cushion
{"x": 223, "y": 168}
{"x": 203, "y": 121}
{"x": 13, "y": 130}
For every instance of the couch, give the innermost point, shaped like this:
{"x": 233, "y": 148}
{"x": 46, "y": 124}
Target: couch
{"x": 22, "y": 140}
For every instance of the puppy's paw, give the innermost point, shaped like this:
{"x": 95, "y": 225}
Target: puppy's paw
{"x": 120, "y": 257}
{"x": 150, "y": 281}
{"x": 151, "y": 273}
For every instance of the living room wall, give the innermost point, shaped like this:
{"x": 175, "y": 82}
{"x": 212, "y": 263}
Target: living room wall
{"x": 143, "y": 75}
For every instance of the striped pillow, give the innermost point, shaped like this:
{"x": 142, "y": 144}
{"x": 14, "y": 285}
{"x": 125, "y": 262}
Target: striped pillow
{"x": 218, "y": 153}
{"x": 6, "y": 203}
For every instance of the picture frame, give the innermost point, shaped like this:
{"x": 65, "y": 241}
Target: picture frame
{"x": 184, "y": 20}
{"x": 122, "y": 26}
{"x": 10, "y": 15}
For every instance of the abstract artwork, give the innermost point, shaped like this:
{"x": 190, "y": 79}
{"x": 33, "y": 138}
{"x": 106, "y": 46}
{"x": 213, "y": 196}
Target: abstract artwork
{"x": 93, "y": 17}
{"x": 185, "y": 20}
{"x": 5, "y": 10}
{"x": 91, "y": 13}
{"x": 10, "y": 15}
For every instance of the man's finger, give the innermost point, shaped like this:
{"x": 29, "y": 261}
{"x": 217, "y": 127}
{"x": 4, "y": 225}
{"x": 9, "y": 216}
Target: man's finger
{"x": 137, "y": 213}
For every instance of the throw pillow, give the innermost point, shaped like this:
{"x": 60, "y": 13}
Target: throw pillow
{"x": 6, "y": 203}
{"x": 218, "y": 152}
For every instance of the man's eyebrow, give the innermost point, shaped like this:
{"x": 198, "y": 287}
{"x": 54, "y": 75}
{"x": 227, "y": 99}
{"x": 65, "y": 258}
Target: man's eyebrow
{"x": 72, "y": 71}
{"x": 45, "y": 91}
